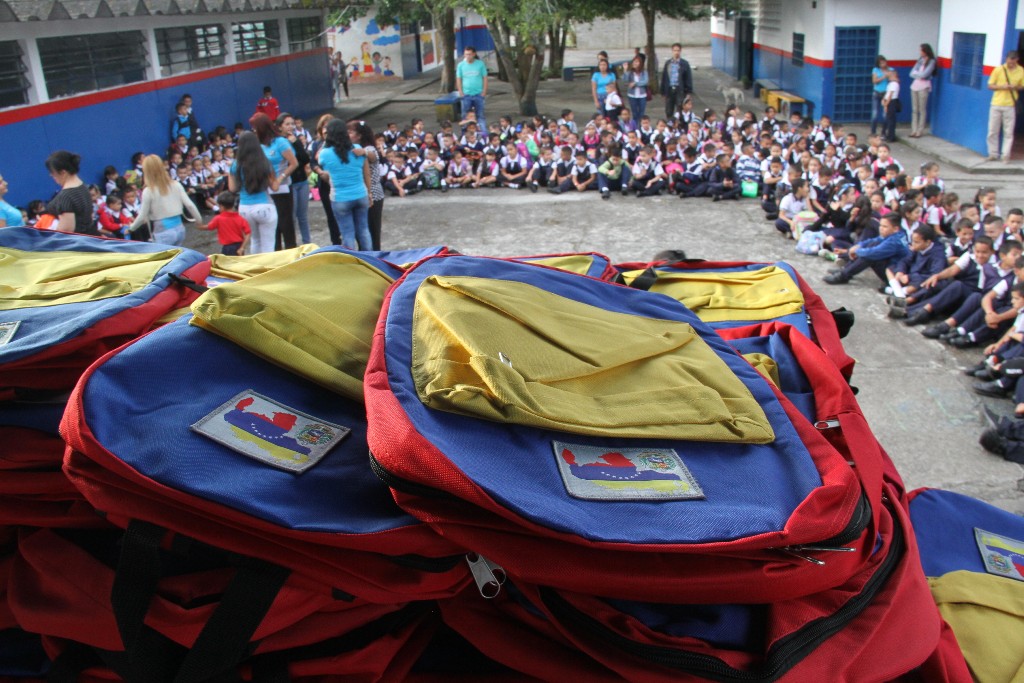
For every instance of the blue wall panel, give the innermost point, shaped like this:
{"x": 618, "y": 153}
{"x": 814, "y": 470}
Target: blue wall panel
{"x": 477, "y": 36}
{"x": 718, "y": 53}
{"x": 110, "y": 132}
{"x": 960, "y": 114}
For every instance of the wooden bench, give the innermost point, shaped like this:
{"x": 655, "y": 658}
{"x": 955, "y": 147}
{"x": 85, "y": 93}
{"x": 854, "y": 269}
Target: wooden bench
{"x": 763, "y": 86}
{"x": 570, "y": 73}
{"x": 785, "y": 101}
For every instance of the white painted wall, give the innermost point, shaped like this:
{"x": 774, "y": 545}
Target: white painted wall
{"x": 613, "y": 34}
{"x": 905, "y": 23}
{"x": 800, "y": 16}
{"x": 974, "y": 16}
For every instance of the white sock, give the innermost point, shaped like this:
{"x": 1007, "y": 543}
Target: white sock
{"x": 897, "y": 289}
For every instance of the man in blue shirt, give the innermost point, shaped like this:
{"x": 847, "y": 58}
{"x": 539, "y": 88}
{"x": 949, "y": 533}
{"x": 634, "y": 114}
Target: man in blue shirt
{"x": 676, "y": 81}
{"x": 471, "y": 82}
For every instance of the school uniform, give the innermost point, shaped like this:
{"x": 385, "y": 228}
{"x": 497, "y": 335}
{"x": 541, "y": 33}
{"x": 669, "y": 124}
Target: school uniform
{"x": 949, "y": 295}
{"x": 646, "y": 134}
{"x": 631, "y": 152}
{"x": 717, "y": 180}
{"x": 563, "y": 169}
{"x": 973, "y": 325}
{"x": 510, "y": 167}
{"x": 690, "y": 181}
{"x": 918, "y": 266}
{"x": 612, "y": 177}
{"x": 398, "y": 173}
{"x": 642, "y": 173}
{"x": 877, "y": 253}
{"x": 543, "y": 172}
{"x": 790, "y": 206}
{"x": 458, "y": 170}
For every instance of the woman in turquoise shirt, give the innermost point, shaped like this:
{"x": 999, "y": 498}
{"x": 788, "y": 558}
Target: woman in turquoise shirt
{"x": 350, "y": 182}
{"x": 878, "y": 82}
{"x": 282, "y": 159}
{"x": 599, "y": 84}
{"x": 10, "y": 217}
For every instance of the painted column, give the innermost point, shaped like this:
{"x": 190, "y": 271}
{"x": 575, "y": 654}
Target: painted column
{"x": 37, "y": 82}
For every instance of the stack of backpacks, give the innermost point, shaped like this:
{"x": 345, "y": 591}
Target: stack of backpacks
{"x": 329, "y": 465}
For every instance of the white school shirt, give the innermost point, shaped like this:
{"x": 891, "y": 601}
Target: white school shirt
{"x": 791, "y": 206}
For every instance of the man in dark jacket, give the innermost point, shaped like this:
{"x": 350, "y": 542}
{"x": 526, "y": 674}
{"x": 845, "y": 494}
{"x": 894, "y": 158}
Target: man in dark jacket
{"x": 676, "y": 81}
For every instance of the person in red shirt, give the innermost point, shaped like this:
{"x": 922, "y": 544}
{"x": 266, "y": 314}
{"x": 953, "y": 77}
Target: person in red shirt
{"x": 232, "y": 229}
{"x": 113, "y": 220}
{"x": 268, "y": 105}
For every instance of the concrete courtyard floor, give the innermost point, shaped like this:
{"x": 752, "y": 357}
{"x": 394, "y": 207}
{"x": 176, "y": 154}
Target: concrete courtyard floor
{"x": 911, "y": 389}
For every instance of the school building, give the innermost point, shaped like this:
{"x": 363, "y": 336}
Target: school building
{"x": 824, "y": 50}
{"x": 101, "y": 77}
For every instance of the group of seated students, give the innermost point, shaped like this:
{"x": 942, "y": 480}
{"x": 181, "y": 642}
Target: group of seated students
{"x": 688, "y": 155}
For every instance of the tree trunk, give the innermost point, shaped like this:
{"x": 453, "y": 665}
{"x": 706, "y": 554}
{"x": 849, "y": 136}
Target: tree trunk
{"x": 506, "y": 56}
{"x": 557, "y": 35}
{"x": 445, "y": 22}
{"x": 648, "y": 10}
{"x": 534, "y": 54}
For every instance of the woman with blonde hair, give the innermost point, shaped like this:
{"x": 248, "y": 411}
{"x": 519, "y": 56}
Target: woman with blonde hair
{"x": 163, "y": 202}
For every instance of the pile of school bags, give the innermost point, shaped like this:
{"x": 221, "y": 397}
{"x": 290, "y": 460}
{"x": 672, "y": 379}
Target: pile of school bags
{"x": 330, "y": 465}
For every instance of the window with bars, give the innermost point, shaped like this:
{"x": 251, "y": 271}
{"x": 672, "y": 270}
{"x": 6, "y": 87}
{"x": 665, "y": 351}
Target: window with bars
{"x": 13, "y": 82}
{"x": 968, "y": 59}
{"x": 769, "y": 15}
{"x": 189, "y": 48}
{"x": 77, "y": 64}
{"x": 798, "y": 49}
{"x": 255, "y": 39}
{"x": 305, "y": 34}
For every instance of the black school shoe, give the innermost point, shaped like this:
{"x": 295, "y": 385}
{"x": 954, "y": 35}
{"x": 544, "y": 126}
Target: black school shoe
{"x": 935, "y": 331}
{"x": 963, "y": 342}
{"x": 836, "y": 278}
{"x": 605, "y": 194}
{"x": 991, "y": 389}
{"x": 992, "y": 442}
{"x": 976, "y": 368}
{"x": 919, "y": 318}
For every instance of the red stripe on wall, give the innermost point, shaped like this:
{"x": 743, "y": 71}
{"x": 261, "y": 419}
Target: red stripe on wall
{"x": 813, "y": 61}
{"x": 903, "y": 63}
{"x": 722, "y": 37}
{"x": 947, "y": 63}
{"x": 76, "y": 102}
{"x": 474, "y": 27}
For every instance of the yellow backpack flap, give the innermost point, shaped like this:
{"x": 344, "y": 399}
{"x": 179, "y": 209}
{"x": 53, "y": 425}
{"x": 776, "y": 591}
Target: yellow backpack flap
{"x": 511, "y": 352}
{"x": 574, "y": 263}
{"x": 986, "y": 612}
{"x": 314, "y": 317}
{"x": 250, "y": 265}
{"x": 715, "y": 296}
{"x": 50, "y": 278}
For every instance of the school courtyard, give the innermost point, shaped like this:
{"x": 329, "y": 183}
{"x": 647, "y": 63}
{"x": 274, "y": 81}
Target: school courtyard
{"x": 911, "y": 389}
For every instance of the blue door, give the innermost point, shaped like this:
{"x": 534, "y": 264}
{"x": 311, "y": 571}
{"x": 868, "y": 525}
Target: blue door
{"x": 856, "y": 51}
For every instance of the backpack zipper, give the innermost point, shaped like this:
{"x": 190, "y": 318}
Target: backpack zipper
{"x": 780, "y": 658}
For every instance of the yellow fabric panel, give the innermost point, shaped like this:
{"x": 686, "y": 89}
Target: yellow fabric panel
{"x": 241, "y": 267}
{"x": 30, "y": 279}
{"x": 986, "y": 612}
{"x": 314, "y": 317}
{"x": 753, "y": 295}
{"x": 764, "y": 364}
{"x": 511, "y": 352}
{"x": 574, "y": 263}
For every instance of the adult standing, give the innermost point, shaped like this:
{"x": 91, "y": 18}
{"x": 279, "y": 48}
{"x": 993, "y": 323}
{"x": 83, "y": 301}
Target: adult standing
{"x": 920, "y": 88}
{"x": 471, "y": 82}
{"x": 350, "y": 182}
{"x": 599, "y": 82}
{"x": 163, "y": 202}
{"x": 300, "y": 176}
{"x": 1006, "y": 82}
{"x": 362, "y": 134}
{"x": 323, "y": 181}
{"x": 676, "y": 81}
{"x": 71, "y": 207}
{"x": 342, "y": 75}
{"x": 637, "y": 90}
{"x": 282, "y": 159}
{"x": 251, "y": 177}
{"x": 10, "y": 217}
{"x": 879, "y": 81}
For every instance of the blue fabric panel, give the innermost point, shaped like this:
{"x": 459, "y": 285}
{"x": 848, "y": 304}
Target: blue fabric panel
{"x": 43, "y": 417}
{"x": 793, "y": 381}
{"x": 45, "y": 326}
{"x": 737, "y": 627}
{"x": 750, "y": 489}
{"x": 944, "y": 524}
{"x": 178, "y": 375}
{"x": 385, "y": 265}
{"x": 22, "y": 654}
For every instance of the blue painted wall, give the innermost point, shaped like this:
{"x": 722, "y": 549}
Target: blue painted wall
{"x": 723, "y": 56}
{"x": 960, "y": 113}
{"x": 110, "y": 132}
{"x": 809, "y": 81}
{"x": 477, "y": 36}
